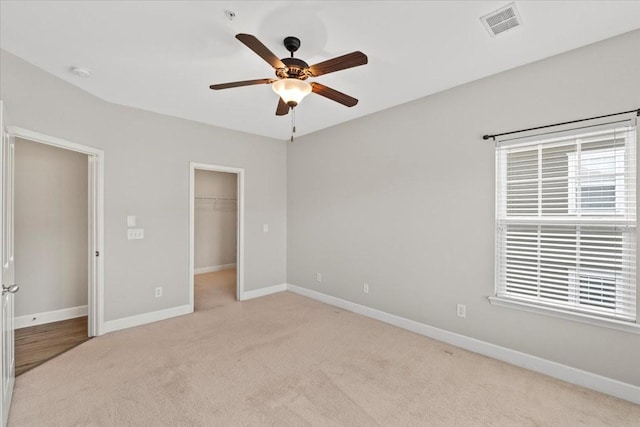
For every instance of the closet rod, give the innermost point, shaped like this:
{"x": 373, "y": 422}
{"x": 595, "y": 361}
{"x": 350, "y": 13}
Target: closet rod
{"x": 485, "y": 137}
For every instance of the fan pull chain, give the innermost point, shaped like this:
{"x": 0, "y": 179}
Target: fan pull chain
{"x": 293, "y": 122}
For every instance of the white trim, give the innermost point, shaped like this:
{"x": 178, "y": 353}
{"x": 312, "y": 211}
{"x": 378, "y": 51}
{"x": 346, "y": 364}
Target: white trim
{"x": 143, "y": 319}
{"x": 566, "y": 373}
{"x": 52, "y": 140}
{"x": 257, "y": 293}
{"x": 95, "y": 265}
{"x": 50, "y": 316}
{"x": 213, "y": 268}
{"x": 240, "y": 225}
{"x": 619, "y": 325}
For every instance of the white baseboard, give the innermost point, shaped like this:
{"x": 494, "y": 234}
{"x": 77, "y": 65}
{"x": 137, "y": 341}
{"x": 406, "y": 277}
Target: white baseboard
{"x": 50, "y": 316}
{"x": 213, "y": 268}
{"x": 566, "y": 373}
{"x": 264, "y": 291}
{"x": 143, "y": 319}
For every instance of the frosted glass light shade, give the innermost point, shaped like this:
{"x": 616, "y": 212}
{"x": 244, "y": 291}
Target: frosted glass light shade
{"x": 291, "y": 90}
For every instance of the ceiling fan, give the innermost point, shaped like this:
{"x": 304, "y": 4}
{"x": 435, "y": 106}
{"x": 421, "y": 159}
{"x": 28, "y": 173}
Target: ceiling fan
{"x": 292, "y": 73}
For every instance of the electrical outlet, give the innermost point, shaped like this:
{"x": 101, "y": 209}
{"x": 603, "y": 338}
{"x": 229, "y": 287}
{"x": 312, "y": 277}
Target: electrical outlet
{"x": 158, "y": 291}
{"x": 365, "y": 288}
{"x": 461, "y": 310}
{"x": 319, "y": 277}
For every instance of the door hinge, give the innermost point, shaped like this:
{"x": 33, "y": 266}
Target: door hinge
{"x": 97, "y": 253}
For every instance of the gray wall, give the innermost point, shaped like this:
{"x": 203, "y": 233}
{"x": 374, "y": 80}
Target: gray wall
{"x": 215, "y": 221}
{"x": 147, "y": 159}
{"x": 404, "y": 200}
{"x": 51, "y": 236}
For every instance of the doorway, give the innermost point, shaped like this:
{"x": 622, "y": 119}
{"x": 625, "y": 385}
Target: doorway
{"x": 51, "y": 239}
{"x": 58, "y": 250}
{"x": 216, "y": 230}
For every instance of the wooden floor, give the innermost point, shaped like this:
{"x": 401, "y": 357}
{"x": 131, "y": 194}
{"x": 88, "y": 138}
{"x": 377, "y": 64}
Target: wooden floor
{"x": 37, "y": 344}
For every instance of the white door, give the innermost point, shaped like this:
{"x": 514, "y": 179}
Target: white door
{"x": 7, "y": 278}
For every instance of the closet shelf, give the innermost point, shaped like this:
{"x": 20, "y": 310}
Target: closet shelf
{"x": 216, "y": 198}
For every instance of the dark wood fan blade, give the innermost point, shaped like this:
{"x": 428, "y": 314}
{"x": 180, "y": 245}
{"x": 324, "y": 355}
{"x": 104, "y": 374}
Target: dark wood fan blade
{"x": 263, "y": 52}
{"x": 283, "y": 108}
{"x": 349, "y": 60}
{"x": 242, "y": 83}
{"x": 333, "y": 94}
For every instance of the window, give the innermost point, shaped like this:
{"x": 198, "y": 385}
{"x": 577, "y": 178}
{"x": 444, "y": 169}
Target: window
{"x": 566, "y": 221}
{"x": 600, "y": 189}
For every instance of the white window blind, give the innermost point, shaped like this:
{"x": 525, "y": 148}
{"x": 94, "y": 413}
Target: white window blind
{"x": 566, "y": 221}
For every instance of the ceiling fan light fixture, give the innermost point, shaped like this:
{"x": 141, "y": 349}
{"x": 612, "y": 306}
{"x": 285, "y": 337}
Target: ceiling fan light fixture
{"x": 291, "y": 90}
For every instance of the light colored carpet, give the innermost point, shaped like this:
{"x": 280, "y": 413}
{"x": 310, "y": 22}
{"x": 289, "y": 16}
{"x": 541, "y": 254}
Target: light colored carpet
{"x": 214, "y": 289}
{"x": 285, "y": 360}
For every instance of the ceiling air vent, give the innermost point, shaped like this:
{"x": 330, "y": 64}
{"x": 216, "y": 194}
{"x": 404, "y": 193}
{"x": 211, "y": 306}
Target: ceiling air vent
{"x": 501, "y": 20}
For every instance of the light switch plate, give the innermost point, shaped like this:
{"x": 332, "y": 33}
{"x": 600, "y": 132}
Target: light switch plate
{"x": 265, "y": 228}
{"x": 131, "y": 221}
{"x": 135, "y": 233}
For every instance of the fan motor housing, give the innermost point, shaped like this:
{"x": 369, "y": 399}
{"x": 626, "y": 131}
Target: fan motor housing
{"x": 295, "y": 69}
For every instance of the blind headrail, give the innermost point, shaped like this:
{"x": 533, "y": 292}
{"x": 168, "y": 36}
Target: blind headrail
{"x": 485, "y": 137}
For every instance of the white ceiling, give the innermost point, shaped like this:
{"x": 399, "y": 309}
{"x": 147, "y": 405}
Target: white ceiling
{"x": 162, "y": 55}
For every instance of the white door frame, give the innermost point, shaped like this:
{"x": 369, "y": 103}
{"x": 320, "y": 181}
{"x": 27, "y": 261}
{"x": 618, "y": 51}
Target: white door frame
{"x": 7, "y": 278}
{"x": 240, "y": 226}
{"x": 96, "y": 220}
